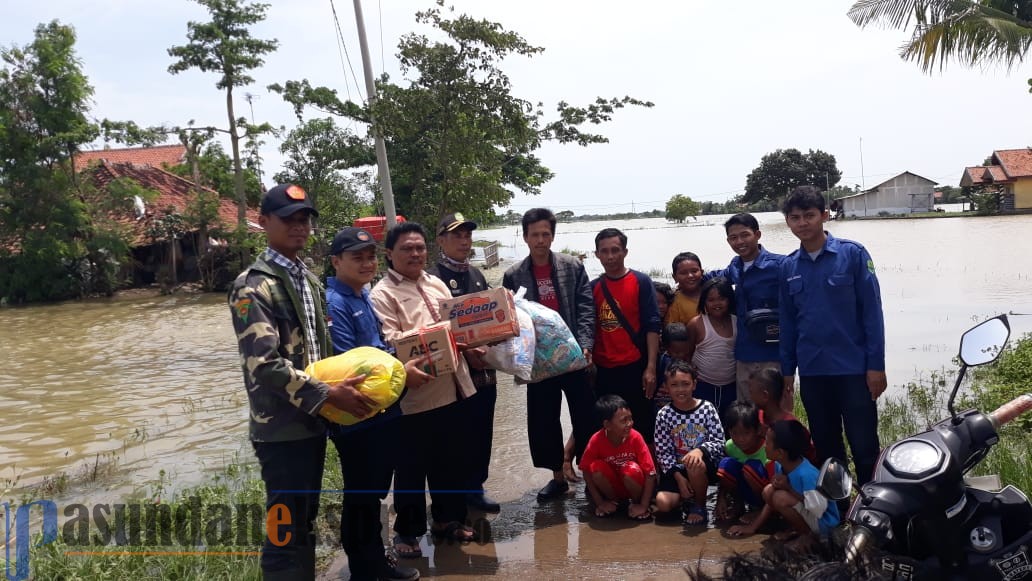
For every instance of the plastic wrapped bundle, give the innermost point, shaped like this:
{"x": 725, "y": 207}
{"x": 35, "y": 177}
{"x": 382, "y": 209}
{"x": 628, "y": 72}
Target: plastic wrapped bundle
{"x": 515, "y": 356}
{"x": 384, "y": 381}
{"x": 556, "y": 350}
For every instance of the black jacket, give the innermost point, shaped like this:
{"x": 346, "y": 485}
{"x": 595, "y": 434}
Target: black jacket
{"x": 572, "y": 289}
{"x": 463, "y": 283}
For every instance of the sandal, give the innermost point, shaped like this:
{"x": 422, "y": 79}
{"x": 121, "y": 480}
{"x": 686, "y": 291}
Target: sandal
{"x": 410, "y": 542}
{"x": 647, "y": 515}
{"x": 785, "y": 535}
{"x": 454, "y": 531}
{"x": 696, "y": 510}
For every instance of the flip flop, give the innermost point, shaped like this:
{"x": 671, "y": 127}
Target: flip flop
{"x": 400, "y": 541}
{"x": 785, "y": 536}
{"x": 696, "y": 510}
{"x": 646, "y": 516}
{"x": 454, "y": 531}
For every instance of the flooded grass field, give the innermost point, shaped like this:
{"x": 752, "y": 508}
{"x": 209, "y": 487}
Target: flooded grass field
{"x": 107, "y": 399}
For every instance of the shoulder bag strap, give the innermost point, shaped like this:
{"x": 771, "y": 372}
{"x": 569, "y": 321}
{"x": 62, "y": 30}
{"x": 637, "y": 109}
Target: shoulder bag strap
{"x": 620, "y": 318}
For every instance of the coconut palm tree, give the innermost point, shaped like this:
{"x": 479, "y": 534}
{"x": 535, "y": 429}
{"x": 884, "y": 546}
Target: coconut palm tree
{"x": 973, "y": 32}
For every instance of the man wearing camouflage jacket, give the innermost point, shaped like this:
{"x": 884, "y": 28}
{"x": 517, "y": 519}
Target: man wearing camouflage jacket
{"x": 280, "y": 324}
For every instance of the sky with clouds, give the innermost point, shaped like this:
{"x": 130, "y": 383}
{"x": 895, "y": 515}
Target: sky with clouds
{"x": 731, "y": 81}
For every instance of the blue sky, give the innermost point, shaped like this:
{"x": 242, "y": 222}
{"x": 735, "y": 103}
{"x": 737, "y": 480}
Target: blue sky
{"x": 731, "y": 82}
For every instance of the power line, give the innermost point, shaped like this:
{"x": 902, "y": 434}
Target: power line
{"x": 341, "y": 43}
{"x": 379, "y": 5}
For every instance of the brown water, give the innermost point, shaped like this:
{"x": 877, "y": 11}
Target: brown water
{"x": 132, "y": 387}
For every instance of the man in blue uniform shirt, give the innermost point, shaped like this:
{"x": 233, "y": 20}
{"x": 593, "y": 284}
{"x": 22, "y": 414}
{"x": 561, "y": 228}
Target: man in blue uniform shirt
{"x": 366, "y": 449}
{"x": 755, "y": 272}
{"x": 833, "y": 331}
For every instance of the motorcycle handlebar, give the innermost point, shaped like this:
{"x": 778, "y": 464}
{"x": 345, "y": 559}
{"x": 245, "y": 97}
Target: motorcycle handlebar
{"x": 1011, "y": 409}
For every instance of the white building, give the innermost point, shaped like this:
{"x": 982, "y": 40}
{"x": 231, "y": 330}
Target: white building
{"x": 904, "y": 194}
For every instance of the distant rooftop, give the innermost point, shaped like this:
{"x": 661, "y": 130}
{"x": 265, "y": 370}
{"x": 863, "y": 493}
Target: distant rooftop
{"x": 161, "y": 156}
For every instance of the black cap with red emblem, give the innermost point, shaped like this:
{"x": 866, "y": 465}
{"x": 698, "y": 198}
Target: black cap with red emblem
{"x": 351, "y": 239}
{"x": 285, "y": 199}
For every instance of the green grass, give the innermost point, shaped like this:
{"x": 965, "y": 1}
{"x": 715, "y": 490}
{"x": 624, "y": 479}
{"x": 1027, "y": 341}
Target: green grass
{"x": 237, "y": 484}
{"x": 923, "y": 403}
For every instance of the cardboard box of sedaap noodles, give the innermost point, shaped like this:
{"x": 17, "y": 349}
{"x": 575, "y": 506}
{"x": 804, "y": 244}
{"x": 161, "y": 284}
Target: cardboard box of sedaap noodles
{"x": 482, "y": 317}
{"x": 435, "y": 339}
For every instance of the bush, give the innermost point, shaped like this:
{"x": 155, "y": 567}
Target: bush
{"x": 924, "y": 404}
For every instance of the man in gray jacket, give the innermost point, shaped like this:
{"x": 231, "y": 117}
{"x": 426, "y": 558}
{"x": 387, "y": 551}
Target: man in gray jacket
{"x": 559, "y": 282}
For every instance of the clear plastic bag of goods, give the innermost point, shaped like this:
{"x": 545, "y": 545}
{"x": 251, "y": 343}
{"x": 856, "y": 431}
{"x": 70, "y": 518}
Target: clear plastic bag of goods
{"x": 384, "y": 379}
{"x": 515, "y": 355}
{"x": 556, "y": 350}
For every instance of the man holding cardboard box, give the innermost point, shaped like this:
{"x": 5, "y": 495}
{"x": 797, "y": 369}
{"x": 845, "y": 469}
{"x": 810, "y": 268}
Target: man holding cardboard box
{"x": 432, "y": 445}
{"x": 455, "y": 238}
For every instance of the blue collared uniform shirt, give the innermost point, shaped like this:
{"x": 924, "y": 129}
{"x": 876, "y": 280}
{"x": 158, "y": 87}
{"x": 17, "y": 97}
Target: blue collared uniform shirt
{"x": 831, "y": 312}
{"x": 755, "y": 288}
{"x": 353, "y": 323}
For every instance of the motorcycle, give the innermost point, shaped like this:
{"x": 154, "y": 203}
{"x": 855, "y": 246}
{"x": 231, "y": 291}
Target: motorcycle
{"x": 920, "y": 516}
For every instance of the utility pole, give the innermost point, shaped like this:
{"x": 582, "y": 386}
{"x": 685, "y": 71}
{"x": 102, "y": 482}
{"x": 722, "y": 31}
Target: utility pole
{"x": 381, "y": 149}
{"x": 863, "y": 182}
{"x": 827, "y": 187}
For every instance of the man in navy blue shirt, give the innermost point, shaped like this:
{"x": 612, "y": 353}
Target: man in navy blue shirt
{"x": 755, "y": 272}
{"x": 366, "y": 449}
{"x": 833, "y": 331}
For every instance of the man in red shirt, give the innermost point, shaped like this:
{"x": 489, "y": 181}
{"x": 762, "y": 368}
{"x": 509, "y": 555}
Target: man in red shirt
{"x": 627, "y": 326}
{"x": 559, "y": 282}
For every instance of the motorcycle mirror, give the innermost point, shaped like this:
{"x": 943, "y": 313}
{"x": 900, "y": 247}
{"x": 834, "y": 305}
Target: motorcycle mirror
{"x": 834, "y": 480}
{"x": 984, "y": 342}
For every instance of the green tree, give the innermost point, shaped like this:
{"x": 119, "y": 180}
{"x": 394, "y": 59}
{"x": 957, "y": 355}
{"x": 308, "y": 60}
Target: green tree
{"x": 44, "y": 219}
{"x": 318, "y": 153}
{"x": 951, "y": 195}
{"x": 784, "y": 169}
{"x": 974, "y": 32}
{"x": 215, "y": 170}
{"x": 225, "y": 46}
{"x": 681, "y": 207}
{"x": 842, "y": 191}
{"x": 169, "y": 227}
{"x": 564, "y": 216}
{"x": 457, "y": 138}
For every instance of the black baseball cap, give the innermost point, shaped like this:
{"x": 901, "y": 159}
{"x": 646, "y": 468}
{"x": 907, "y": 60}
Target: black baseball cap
{"x": 285, "y": 199}
{"x": 452, "y": 222}
{"x": 351, "y": 239}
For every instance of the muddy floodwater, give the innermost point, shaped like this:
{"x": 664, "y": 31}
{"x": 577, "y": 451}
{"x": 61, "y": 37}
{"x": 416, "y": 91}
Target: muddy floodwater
{"x": 114, "y": 392}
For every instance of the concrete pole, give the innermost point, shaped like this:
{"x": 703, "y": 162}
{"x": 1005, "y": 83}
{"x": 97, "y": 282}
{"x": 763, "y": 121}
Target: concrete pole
{"x": 381, "y": 149}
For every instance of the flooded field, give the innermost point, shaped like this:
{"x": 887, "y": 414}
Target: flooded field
{"x": 119, "y": 394}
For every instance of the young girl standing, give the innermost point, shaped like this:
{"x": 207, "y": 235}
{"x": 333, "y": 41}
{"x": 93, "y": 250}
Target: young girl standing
{"x": 713, "y": 344}
{"x": 687, "y": 271}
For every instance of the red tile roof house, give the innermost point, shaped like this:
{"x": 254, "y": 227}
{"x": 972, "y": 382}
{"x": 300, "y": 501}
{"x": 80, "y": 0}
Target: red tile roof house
{"x": 173, "y": 192}
{"x": 161, "y": 156}
{"x": 1010, "y": 173}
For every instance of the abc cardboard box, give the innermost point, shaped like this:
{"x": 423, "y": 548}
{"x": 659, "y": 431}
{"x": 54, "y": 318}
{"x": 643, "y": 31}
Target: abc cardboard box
{"x": 482, "y": 317}
{"x": 435, "y": 339}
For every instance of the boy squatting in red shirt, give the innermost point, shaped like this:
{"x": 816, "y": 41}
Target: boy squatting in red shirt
{"x": 617, "y": 464}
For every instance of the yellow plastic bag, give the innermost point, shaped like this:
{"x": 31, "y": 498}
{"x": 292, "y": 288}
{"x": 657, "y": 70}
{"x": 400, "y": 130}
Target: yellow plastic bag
{"x": 384, "y": 382}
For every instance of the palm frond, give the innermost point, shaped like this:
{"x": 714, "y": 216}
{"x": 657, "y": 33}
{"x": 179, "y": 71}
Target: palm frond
{"x": 899, "y": 13}
{"x": 973, "y": 32}
{"x": 971, "y": 41}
